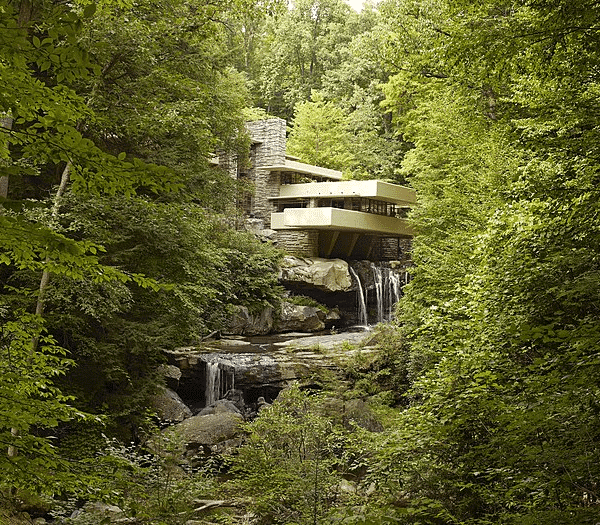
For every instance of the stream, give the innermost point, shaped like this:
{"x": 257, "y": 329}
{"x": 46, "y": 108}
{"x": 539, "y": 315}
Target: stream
{"x": 259, "y": 365}
{"x": 276, "y": 342}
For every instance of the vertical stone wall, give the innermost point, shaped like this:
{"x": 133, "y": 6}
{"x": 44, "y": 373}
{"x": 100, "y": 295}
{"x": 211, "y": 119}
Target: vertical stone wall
{"x": 266, "y": 185}
{"x": 228, "y": 162}
{"x": 269, "y": 150}
{"x": 269, "y": 135}
{"x": 299, "y": 243}
{"x": 394, "y": 249}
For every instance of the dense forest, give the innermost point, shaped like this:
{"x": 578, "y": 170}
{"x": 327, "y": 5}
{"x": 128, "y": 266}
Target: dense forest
{"x": 117, "y": 241}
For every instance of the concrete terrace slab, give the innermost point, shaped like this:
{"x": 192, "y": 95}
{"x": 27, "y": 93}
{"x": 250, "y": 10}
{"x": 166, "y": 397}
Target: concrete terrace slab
{"x": 341, "y": 220}
{"x": 304, "y": 169}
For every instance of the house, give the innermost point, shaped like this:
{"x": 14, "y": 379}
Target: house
{"x": 313, "y": 212}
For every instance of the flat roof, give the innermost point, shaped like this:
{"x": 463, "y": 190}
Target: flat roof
{"x": 306, "y": 169}
{"x": 370, "y": 189}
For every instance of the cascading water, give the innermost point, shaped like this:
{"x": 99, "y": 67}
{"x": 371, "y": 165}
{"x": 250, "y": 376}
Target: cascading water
{"x": 387, "y": 285}
{"x": 361, "y": 302}
{"x": 219, "y": 379}
{"x": 379, "y": 282}
{"x": 388, "y": 289}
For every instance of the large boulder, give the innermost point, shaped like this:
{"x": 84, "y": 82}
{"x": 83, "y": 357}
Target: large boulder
{"x": 169, "y": 407}
{"x": 242, "y": 322}
{"x": 212, "y": 433}
{"x": 330, "y": 275}
{"x": 220, "y": 406}
{"x": 172, "y": 375}
{"x": 296, "y": 318}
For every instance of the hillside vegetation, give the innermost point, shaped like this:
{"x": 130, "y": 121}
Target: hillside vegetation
{"x": 117, "y": 241}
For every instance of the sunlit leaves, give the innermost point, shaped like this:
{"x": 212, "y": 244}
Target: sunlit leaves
{"x": 303, "y": 44}
{"x": 321, "y": 135}
{"x": 286, "y": 465}
{"x": 502, "y": 311}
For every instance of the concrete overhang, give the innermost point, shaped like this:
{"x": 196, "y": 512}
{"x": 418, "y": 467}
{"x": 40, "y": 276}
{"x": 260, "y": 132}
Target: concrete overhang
{"x": 370, "y": 189}
{"x": 340, "y": 220}
{"x": 304, "y": 169}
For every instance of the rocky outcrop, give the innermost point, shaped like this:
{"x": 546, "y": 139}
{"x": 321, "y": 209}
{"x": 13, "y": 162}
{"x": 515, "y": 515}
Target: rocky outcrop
{"x": 330, "y": 275}
{"x": 241, "y": 378}
{"x": 333, "y": 285}
{"x": 169, "y": 407}
{"x": 291, "y": 318}
{"x": 256, "y": 373}
{"x": 209, "y": 434}
{"x": 172, "y": 374}
{"x": 220, "y": 406}
{"x": 296, "y": 318}
{"x": 242, "y": 322}
{"x": 255, "y": 370}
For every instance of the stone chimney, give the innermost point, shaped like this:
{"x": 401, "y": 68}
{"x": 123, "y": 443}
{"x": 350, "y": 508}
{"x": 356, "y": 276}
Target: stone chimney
{"x": 268, "y": 149}
{"x": 269, "y": 138}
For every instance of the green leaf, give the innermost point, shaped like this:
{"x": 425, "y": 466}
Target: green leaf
{"x": 89, "y": 10}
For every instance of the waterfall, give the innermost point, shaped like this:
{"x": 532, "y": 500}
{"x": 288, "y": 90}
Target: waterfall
{"x": 379, "y": 282}
{"x": 388, "y": 290}
{"x": 219, "y": 378}
{"x": 361, "y": 302}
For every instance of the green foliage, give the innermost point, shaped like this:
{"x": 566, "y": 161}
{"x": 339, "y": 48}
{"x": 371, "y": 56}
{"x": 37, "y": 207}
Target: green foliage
{"x": 42, "y": 142}
{"x": 301, "y": 44}
{"x": 291, "y": 463}
{"x": 355, "y": 85}
{"x": 497, "y": 353}
{"x": 31, "y": 407}
{"x": 152, "y": 487}
{"x": 459, "y": 168}
{"x": 304, "y": 300}
{"x": 123, "y": 106}
{"x": 498, "y": 316}
{"x": 184, "y": 102}
{"x": 314, "y": 62}
{"x": 116, "y": 332}
{"x": 44, "y": 126}
{"x": 320, "y": 135}
{"x": 380, "y": 373}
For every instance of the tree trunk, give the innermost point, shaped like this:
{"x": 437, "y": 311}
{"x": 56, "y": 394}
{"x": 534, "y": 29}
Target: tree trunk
{"x": 4, "y": 186}
{"x": 6, "y": 122}
{"x": 44, "y": 281}
{"x": 25, "y": 16}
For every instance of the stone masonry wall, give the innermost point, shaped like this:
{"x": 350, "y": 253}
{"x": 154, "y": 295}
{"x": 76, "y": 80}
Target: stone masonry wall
{"x": 269, "y": 150}
{"x": 269, "y": 135}
{"x": 266, "y": 184}
{"x": 395, "y": 249}
{"x": 299, "y": 243}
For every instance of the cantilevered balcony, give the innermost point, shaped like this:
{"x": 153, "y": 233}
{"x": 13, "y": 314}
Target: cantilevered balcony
{"x": 369, "y": 206}
{"x": 350, "y": 216}
{"x": 341, "y": 220}
{"x": 300, "y": 168}
{"x": 370, "y": 189}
